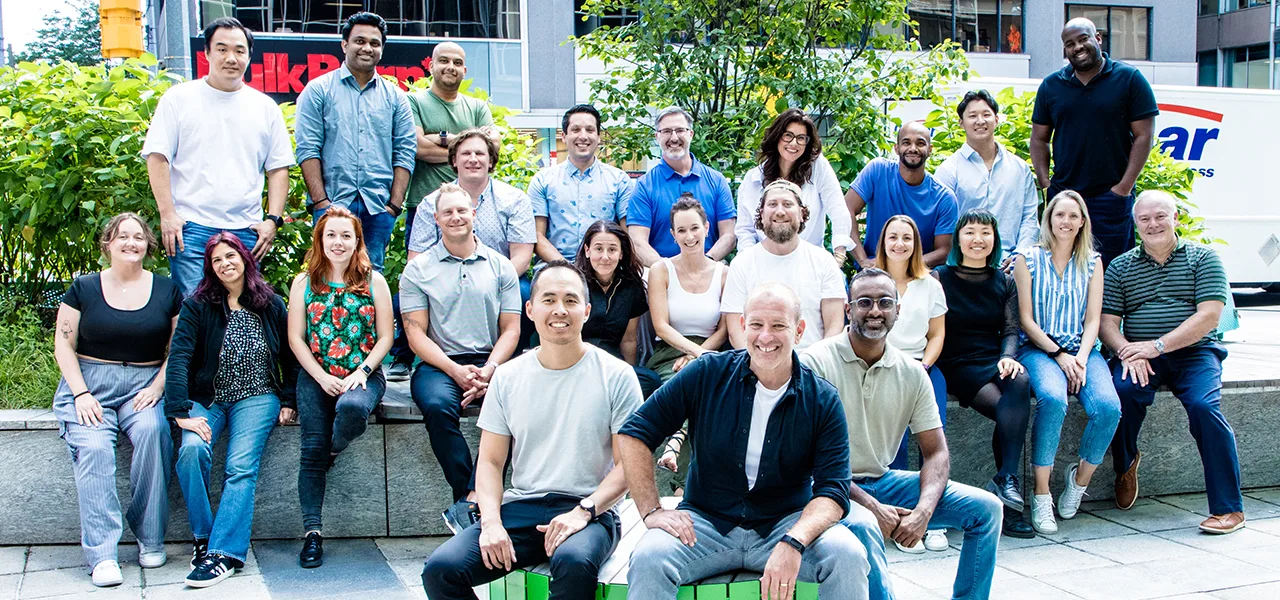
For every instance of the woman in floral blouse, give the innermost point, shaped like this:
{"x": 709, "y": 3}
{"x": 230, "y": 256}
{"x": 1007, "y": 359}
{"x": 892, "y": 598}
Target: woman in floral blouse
{"x": 340, "y": 328}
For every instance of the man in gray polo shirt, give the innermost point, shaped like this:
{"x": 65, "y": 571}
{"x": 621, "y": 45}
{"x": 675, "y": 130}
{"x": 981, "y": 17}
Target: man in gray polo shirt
{"x": 461, "y": 305}
{"x": 1168, "y": 294}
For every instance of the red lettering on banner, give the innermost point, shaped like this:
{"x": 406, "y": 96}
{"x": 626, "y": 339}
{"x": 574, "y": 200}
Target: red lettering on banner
{"x": 319, "y": 64}
{"x": 408, "y": 75}
{"x": 269, "y": 72}
{"x": 255, "y": 78}
{"x": 288, "y": 80}
{"x": 202, "y": 65}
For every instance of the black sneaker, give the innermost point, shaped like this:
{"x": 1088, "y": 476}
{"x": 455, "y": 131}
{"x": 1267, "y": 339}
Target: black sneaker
{"x": 1015, "y": 526}
{"x": 1008, "y": 489}
{"x": 199, "y": 549}
{"x": 212, "y": 570}
{"x": 312, "y": 554}
{"x": 398, "y": 372}
{"x": 461, "y": 515}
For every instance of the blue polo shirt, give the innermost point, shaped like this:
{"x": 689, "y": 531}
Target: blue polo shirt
{"x": 805, "y": 452}
{"x": 657, "y": 191}
{"x": 931, "y": 205}
{"x": 1091, "y": 135}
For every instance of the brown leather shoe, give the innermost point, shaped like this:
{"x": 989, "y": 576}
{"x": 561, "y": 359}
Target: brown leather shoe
{"x": 1127, "y": 485}
{"x": 1223, "y": 524}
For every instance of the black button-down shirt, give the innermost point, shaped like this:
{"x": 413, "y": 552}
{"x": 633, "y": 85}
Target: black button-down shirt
{"x": 805, "y": 453}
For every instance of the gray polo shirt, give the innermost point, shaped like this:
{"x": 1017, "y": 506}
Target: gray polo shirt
{"x": 462, "y": 296}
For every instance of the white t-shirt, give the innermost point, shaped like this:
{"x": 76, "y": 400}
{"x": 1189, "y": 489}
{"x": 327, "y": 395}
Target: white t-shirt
{"x": 561, "y": 422}
{"x": 219, "y": 146}
{"x": 765, "y": 401}
{"x": 808, "y": 270}
{"x": 923, "y": 300}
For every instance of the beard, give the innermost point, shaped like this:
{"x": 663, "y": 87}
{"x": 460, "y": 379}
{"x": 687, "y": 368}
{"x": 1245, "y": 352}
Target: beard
{"x": 913, "y": 165}
{"x": 780, "y": 233}
{"x": 871, "y": 334}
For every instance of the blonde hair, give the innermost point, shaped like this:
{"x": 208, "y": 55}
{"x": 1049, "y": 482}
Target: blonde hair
{"x": 915, "y": 264}
{"x": 1082, "y": 249}
{"x": 449, "y": 187}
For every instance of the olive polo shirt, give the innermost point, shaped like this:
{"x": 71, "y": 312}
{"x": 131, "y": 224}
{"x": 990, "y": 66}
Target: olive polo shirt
{"x": 1154, "y": 299}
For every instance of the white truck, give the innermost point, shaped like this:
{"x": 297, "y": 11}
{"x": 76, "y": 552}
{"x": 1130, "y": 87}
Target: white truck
{"x": 1231, "y": 137}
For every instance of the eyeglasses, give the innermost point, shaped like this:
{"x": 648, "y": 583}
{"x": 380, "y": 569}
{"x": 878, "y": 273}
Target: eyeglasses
{"x": 886, "y": 303}
{"x": 673, "y": 131}
{"x": 789, "y": 137}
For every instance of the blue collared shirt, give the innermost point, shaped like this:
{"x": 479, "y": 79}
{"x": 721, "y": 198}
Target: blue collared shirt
{"x": 657, "y": 191}
{"x": 805, "y": 452}
{"x": 571, "y": 200}
{"x": 359, "y": 135}
{"x": 1008, "y": 190}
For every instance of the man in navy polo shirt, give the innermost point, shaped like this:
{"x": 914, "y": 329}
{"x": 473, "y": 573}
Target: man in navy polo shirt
{"x": 649, "y": 213}
{"x": 1099, "y": 113}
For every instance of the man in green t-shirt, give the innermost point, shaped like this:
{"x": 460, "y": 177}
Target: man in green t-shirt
{"x": 439, "y": 113}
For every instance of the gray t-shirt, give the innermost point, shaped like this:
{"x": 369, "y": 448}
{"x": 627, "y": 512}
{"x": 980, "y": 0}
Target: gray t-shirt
{"x": 561, "y": 422}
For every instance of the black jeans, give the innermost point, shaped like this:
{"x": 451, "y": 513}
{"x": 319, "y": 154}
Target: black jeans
{"x": 440, "y": 400}
{"x": 456, "y": 567}
{"x": 329, "y": 425}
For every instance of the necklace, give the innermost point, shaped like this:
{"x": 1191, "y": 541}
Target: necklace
{"x": 697, "y": 282}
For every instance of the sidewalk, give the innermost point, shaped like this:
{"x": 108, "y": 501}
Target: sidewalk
{"x": 1151, "y": 551}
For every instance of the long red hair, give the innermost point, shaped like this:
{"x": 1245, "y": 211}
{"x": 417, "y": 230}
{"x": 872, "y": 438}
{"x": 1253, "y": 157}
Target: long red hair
{"x": 359, "y": 270}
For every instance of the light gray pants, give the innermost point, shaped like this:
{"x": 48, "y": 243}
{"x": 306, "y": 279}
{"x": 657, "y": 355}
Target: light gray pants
{"x": 93, "y": 456}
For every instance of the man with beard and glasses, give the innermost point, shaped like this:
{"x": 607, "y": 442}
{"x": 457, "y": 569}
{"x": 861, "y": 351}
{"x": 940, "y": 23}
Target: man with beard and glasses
{"x": 785, "y": 258}
{"x": 649, "y": 211}
{"x": 1099, "y": 115}
{"x": 884, "y": 391}
{"x": 887, "y": 188}
{"x": 355, "y": 137}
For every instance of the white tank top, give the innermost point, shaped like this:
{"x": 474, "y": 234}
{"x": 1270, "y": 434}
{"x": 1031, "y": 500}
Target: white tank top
{"x": 693, "y": 314}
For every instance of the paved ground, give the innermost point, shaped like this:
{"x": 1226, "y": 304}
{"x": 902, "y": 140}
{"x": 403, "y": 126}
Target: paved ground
{"x": 1152, "y": 551}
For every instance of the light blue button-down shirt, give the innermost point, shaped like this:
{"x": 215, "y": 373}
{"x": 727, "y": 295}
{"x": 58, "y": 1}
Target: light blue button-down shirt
{"x": 503, "y": 217}
{"x": 571, "y": 200}
{"x": 359, "y": 135}
{"x": 1008, "y": 190}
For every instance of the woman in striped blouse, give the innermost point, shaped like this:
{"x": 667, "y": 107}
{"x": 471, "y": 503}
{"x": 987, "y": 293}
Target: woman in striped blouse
{"x": 1060, "y": 303}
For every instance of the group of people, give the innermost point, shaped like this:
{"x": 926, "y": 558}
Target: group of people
{"x": 596, "y": 319}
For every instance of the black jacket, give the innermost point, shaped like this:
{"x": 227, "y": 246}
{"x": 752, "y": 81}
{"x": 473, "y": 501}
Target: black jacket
{"x": 197, "y": 344}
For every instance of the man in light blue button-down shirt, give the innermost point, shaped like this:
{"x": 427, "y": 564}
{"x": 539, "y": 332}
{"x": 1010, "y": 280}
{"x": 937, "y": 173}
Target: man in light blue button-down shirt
{"x": 355, "y": 137}
{"x": 985, "y": 175}
{"x": 568, "y": 197}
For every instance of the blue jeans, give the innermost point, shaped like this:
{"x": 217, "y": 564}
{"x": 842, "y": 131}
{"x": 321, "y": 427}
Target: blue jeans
{"x": 440, "y": 400}
{"x": 1097, "y": 396}
{"x": 249, "y": 423}
{"x": 940, "y": 396}
{"x": 836, "y": 561}
{"x": 376, "y": 228}
{"x": 328, "y": 426}
{"x": 186, "y": 268}
{"x": 976, "y": 512}
{"x": 1194, "y": 375}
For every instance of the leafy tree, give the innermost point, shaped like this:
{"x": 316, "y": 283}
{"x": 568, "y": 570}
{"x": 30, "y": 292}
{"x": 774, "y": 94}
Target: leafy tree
{"x": 74, "y": 37}
{"x": 734, "y": 64}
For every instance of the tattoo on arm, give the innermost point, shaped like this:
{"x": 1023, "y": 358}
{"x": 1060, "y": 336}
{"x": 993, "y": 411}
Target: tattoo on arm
{"x": 65, "y": 329}
{"x": 416, "y": 324}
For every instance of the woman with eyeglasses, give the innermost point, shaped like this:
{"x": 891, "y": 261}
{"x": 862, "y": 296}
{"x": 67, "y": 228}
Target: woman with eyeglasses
{"x": 792, "y": 150}
{"x": 979, "y": 358}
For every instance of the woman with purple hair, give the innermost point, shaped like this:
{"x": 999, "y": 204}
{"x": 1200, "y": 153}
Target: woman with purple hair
{"x": 230, "y": 369}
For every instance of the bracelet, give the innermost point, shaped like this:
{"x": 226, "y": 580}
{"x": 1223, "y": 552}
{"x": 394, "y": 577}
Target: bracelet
{"x": 651, "y": 511}
{"x": 77, "y": 396}
{"x": 312, "y": 206}
{"x": 394, "y": 210}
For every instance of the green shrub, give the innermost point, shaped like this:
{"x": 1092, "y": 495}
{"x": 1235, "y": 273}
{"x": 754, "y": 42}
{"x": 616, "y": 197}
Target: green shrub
{"x": 28, "y": 373}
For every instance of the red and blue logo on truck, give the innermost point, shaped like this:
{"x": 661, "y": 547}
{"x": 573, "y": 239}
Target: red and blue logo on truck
{"x": 1186, "y": 144}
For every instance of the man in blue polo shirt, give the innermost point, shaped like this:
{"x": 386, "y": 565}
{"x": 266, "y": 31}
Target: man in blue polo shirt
{"x": 1099, "y": 114}
{"x": 649, "y": 213}
{"x": 887, "y": 188}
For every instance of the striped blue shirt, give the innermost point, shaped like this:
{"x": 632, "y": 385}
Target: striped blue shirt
{"x": 1058, "y": 299}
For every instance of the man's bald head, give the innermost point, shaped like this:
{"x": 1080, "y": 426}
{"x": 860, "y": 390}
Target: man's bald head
{"x": 448, "y": 48}
{"x": 773, "y": 293}
{"x": 914, "y": 128}
{"x": 448, "y": 69}
{"x": 1080, "y": 24}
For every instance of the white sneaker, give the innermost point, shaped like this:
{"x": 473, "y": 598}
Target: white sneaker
{"x": 1042, "y": 514}
{"x": 918, "y": 548}
{"x": 153, "y": 559}
{"x": 107, "y": 574}
{"x": 935, "y": 540}
{"x": 1072, "y": 494}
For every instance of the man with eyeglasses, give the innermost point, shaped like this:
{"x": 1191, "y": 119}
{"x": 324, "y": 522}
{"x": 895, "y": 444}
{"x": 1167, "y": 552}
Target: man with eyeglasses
{"x": 649, "y": 212}
{"x": 884, "y": 391}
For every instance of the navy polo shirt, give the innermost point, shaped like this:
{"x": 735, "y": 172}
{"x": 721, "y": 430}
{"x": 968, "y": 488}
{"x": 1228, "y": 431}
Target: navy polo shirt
{"x": 1091, "y": 136}
{"x": 805, "y": 452}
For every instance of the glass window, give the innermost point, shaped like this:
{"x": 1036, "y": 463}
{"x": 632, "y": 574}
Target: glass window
{"x": 584, "y": 24}
{"x": 490, "y": 19}
{"x": 1240, "y": 4}
{"x": 1208, "y": 7}
{"x": 933, "y": 20}
{"x": 1247, "y": 67}
{"x": 977, "y": 25}
{"x": 1207, "y": 68}
{"x": 1125, "y": 29}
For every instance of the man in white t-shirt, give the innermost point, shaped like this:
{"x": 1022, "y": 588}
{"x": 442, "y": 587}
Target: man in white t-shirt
{"x": 209, "y": 144}
{"x": 565, "y": 474}
{"x": 783, "y": 257}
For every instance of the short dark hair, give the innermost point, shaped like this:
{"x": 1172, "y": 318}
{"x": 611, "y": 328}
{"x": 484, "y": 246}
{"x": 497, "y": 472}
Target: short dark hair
{"x": 687, "y": 201}
{"x": 867, "y": 274}
{"x": 972, "y": 95}
{"x": 578, "y": 109}
{"x": 980, "y": 216}
{"x": 226, "y": 23}
{"x": 560, "y": 264}
{"x": 364, "y": 18}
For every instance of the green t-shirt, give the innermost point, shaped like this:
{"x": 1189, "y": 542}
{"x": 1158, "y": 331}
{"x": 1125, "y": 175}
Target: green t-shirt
{"x": 434, "y": 115}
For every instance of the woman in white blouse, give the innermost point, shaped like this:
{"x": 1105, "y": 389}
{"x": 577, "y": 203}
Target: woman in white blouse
{"x": 792, "y": 150}
{"x": 920, "y": 329}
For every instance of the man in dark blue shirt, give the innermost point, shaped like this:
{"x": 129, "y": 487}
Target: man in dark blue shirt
{"x": 1099, "y": 114}
{"x": 770, "y": 475}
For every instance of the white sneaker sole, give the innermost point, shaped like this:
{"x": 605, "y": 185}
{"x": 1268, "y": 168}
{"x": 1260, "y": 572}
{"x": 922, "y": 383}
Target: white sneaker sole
{"x": 211, "y": 582}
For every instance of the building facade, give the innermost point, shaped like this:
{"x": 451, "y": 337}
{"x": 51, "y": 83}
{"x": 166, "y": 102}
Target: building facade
{"x": 1235, "y": 44}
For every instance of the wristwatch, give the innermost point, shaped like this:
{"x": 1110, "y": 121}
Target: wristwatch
{"x": 367, "y": 370}
{"x": 444, "y": 139}
{"x": 1159, "y": 343}
{"x": 394, "y": 210}
{"x": 588, "y": 506}
{"x": 278, "y": 220}
{"x": 1057, "y": 352}
{"x": 793, "y": 542}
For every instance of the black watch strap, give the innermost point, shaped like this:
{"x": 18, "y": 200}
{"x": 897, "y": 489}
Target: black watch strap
{"x": 277, "y": 219}
{"x": 1057, "y": 352}
{"x": 793, "y": 542}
